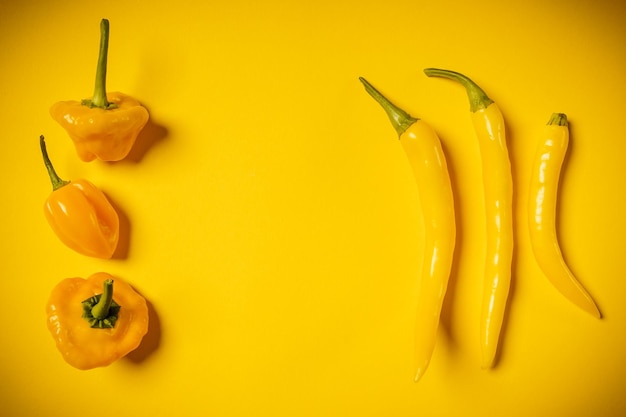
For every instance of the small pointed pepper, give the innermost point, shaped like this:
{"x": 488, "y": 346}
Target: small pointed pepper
{"x": 80, "y": 214}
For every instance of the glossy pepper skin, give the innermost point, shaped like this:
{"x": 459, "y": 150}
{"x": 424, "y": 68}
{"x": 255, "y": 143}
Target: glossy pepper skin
{"x": 109, "y": 134}
{"x": 96, "y": 321}
{"x": 489, "y": 126}
{"x": 427, "y": 160}
{"x": 544, "y": 182}
{"x": 107, "y": 125}
{"x": 80, "y": 214}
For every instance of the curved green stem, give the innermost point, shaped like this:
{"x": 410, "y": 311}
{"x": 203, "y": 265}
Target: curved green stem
{"x": 99, "y": 98}
{"x": 54, "y": 178}
{"x": 477, "y": 97}
{"x": 400, "y": 119}
{"x": 101, "y": 311}
{"x": 558, "y": 119}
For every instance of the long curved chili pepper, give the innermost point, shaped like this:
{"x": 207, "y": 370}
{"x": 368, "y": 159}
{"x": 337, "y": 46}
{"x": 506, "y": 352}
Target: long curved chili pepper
{"x": 498, "y": 194}
{"x": 543, "y": 189}
{"x": 426, "y": 157}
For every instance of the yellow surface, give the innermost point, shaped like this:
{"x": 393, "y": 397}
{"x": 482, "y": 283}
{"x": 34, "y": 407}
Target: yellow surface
{"x": 270, "y": 216}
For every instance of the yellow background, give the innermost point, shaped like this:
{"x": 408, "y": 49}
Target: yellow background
{"x": 271, "y": 220}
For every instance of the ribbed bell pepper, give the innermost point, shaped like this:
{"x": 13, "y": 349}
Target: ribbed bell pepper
{"x": 92, "y": 325}
{"x": 105, "y": 126}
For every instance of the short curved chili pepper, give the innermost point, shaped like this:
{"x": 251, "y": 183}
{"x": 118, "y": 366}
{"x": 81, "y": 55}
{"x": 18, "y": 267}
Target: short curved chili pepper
{"x": 93, "y": 325}
{"x": 80, "y": 214}
{"x": 107, "y": 125}
{"x": 426, "y": 157}
{"x": 542, "y": 199}
{"x": 489, "y": 125}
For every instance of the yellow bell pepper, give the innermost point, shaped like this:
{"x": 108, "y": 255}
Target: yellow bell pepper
{"x": 542, "y": 199}
{"x": 91, "y": 325}
{"x": 489, "y": 126}
{"x": 427, "y": 159}
{"x": 107, "y": 125}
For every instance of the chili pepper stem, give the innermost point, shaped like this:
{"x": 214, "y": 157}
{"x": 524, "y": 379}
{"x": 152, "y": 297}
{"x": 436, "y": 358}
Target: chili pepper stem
{"x": 99, "y": 98}
{"x": 558, "y": 119}
{"x": 54, "y": 178}
{"x": 477, "y": 97}
{"x": 400, "y": 119}
{"x": 101, "y": 310}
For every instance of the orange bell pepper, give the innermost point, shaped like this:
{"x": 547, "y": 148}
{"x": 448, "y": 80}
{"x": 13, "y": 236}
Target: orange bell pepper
{"x": 80, "y": 214}
{"x": 107, "y": 125}
{"x": 93, "y": 327}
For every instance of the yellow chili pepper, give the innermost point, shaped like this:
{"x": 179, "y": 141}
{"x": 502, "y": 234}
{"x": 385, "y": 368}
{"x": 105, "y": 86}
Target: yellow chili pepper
{"x": 91, "y": 326}
{"x": 107, "y": 125}
{"x": 498, "y": 195}
{"x": 542, "y": 213}
{"x": 80, "y": 214}
{"x": 425, "y": 155}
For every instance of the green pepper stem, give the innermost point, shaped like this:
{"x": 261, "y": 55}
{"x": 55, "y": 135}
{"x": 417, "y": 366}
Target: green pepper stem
{"x": 558, "y": 119}
{"x": 478, "y": 99}
{"x": 400, "y": 119}
{"x": 99, "y": 98}
{"x": 54, "y": 178}
{"x": 101, "y": 310}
